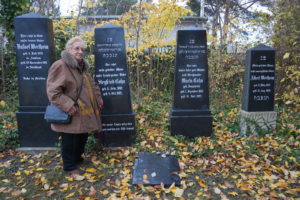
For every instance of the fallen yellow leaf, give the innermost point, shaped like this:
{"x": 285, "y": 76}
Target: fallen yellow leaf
{"x": 91, "y": 170}
{"x": 217, "y": 190}
{"x": 286, "y": 56}
{"x": 2, "y": 103}
{"x": 202, "y": 183}
{"x": 70, "y": 178}
{"x": 153, "y": 174}
{"x": 18, "y": 173}
{"x": 16, "y": 193}
{"x": 177, "y": 192}
{"x": 26, "y": 172}
{"x": 92, "y": 191}
{"x": 104, "y": 192}
{"x": 79, "y": 178}
{"x": 70, "y": 195}
{"x": 233, "y": 193}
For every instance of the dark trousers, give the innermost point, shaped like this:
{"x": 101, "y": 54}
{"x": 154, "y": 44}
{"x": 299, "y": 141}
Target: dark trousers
{"x": 72, "y": 148}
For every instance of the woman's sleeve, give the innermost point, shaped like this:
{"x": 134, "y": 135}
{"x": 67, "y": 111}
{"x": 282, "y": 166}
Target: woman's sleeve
{"x": 55, "y": 87}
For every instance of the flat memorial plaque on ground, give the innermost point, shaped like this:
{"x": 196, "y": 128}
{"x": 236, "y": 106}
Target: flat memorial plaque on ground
{"x": 156, "y": 168}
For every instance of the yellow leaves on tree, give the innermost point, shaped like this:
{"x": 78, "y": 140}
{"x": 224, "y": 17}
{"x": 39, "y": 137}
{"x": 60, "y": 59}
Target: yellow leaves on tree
{"x": 154, "y": 22}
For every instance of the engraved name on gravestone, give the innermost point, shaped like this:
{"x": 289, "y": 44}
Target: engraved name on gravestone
{"x": 111, "y": 73}
{"x": 258, "y": 94}
{"x": 190, "y": 115}
{"x": 35, "y": 54}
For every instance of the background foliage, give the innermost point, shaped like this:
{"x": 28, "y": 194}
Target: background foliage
{"x": 224, "y": 166}
{"x": 151, "y": 58}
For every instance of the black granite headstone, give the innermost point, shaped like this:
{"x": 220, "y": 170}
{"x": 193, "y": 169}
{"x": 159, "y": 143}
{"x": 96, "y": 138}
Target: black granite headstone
{"x": 154, "y": 169}
{"x": 35, "y": 54}
{"x": 111, "y": 73}
{"x": 259, "y": 79}
{"x": 190, "y": 115}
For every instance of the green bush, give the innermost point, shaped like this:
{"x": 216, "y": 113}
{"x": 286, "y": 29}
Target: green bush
{"x": 9, "y": 138}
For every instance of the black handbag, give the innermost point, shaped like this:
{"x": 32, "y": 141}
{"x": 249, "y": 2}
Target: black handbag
{"x": 55, "y": 115}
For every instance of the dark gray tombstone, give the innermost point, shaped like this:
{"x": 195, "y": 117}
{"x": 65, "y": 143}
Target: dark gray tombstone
{"x": 258, "y": 93}
{"x": 154, "y": 169}
{"x": 35, "y": 54}
{"x": 191, "y": 115}
{"x": 111, "y": 73}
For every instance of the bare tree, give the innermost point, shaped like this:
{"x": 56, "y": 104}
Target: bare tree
{"x": 47, "y": 7}
{"x": 78, "y": 16}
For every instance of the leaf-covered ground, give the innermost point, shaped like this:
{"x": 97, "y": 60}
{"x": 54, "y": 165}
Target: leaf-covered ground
{"x": 224, "y": 166}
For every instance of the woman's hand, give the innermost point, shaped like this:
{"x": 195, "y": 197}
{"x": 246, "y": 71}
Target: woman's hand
{"x": 72, "y": 111}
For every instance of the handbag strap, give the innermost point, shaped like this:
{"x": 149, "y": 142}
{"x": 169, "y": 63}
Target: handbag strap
{"x": 78, "y": 94}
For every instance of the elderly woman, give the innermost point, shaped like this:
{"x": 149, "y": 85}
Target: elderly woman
{"x": 67, "y": 79}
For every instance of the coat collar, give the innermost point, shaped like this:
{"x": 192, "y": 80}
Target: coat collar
{"x": 71, "y": 61}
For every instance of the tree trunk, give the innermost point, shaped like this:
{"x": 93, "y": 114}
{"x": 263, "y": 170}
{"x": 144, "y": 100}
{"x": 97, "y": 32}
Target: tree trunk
{"x": 137, "y": 53}
{"x": 226, "y": 23}
{"x": 2, "y": 63}
{"x": 78, "y": 16}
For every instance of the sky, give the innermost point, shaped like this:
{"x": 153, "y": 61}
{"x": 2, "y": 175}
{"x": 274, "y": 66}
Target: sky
{"x": 66, "y": 6}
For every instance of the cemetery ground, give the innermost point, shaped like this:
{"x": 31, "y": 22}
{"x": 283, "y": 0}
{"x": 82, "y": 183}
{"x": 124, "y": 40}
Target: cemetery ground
{"x": 224, "y": 166}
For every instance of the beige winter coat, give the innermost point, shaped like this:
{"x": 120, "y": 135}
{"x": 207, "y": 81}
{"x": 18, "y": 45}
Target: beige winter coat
{"x": 63, "y": 84}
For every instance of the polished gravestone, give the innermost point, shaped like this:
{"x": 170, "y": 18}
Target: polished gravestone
{"x": 156, "y": 168}
{"x": 258, "y": 94}
{"x": 111, "y": 73}
{"x": 35, "y": 54}
{"x": 190, "y": 115}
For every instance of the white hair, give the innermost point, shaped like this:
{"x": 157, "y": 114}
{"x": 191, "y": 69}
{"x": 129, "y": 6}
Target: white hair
{"x": 71, "y": 41}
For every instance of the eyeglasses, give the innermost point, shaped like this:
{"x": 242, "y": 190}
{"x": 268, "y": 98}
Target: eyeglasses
{"x": 78, "y": 48}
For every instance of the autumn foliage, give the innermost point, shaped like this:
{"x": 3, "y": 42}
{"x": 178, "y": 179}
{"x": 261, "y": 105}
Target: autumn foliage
{"x": 224, "y": 166}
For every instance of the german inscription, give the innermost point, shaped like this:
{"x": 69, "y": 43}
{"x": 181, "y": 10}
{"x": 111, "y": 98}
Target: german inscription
{"x": 262, "y": 78}
{"x": 191, "y": 84}
{"x": 111, "y": 77}
{"x": 32, "y": 48}
{"x": 259, "y": 83}
{"x": 191, "y": 75}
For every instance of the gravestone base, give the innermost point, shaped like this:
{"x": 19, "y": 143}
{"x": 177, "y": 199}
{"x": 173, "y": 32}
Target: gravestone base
{"x": 118, "y": 129}
{"x": 256, "y": 121}
{"x": 33, "y": 130}
{"x": 154, "y": 169}
{"x": 191, "y": 123}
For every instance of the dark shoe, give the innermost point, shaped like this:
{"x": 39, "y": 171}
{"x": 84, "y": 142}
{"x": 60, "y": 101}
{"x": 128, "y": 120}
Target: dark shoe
{"x": 74, "y": 172}
{"x": 83, "y": 162}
